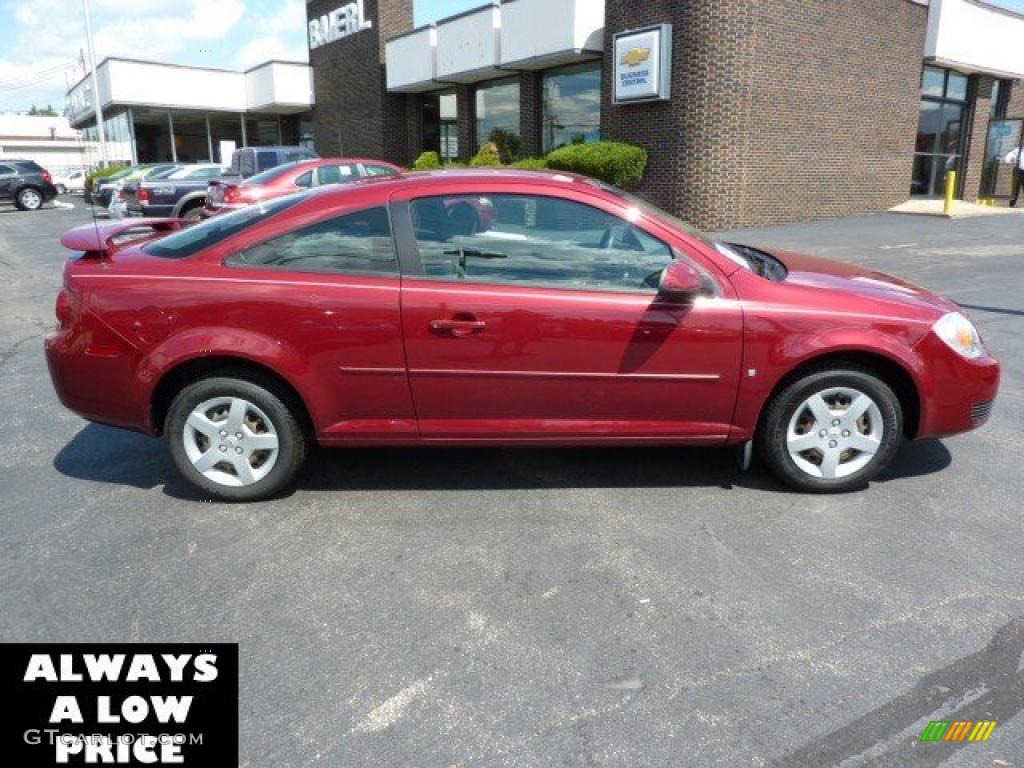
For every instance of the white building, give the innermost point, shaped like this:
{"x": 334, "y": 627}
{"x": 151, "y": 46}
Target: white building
{"x": 168, "y": 112}
{"x": 49, "y": 141}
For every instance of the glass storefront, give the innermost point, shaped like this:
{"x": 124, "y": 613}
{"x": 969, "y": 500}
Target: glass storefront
{"x": 571, "y": 109}
{"x": 497, "y": 115}
{"x": 940, "y": 136}
{"x": 438, "y": 125}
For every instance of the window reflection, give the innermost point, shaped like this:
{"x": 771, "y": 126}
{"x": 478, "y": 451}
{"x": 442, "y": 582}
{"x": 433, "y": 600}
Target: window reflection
{"x": 572, "y": 105}
{"x": 497, "y": 115}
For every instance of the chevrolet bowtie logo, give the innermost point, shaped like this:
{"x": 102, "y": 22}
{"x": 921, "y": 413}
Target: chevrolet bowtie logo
{"x": 635, "y": 56}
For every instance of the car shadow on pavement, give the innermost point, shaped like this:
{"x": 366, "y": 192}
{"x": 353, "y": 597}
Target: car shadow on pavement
{"x": 104, "y": 454}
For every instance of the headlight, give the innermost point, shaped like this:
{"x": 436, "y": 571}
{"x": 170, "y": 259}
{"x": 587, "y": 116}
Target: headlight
{"x": 960, "y": 334}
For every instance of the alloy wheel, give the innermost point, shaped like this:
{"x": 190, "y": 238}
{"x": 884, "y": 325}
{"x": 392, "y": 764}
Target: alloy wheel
{"x": 835, "y": 433}
{"x": 31, "y": 199}
{"x": 230, "y": 441}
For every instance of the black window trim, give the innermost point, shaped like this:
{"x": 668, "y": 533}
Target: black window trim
{"x": 411, "y": 260}
{"x": 397, "y": 274}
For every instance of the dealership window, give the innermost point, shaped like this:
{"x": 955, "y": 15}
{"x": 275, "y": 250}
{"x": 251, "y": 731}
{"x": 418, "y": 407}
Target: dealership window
{"x": 497, "y": 115}
{"x": 571, "y": 109}
{"x": 357, "y": 243}
{"x": 1000, "y": 99}
{"x": 439, "y": 124}
{"x": 534, "y": 240}
{"x": 940, "y": 135}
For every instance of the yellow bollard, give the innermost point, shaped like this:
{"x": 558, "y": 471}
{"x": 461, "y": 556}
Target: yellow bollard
{"x": 947, "y": 208}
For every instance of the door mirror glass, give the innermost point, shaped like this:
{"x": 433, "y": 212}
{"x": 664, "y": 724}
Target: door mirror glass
{"x": 679, "y": 281}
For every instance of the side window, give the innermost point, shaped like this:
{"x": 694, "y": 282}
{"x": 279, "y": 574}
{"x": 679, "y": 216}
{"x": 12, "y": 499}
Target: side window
{"x": 379, "y": 170}
{"x": 5, "y": 169}
{"x": 534, "y": 240}
{"x": 334, "y": 174}
{"x": 305, "y": 180}
{"x": 265, "y": 160}
{"x": 355, "y": 243}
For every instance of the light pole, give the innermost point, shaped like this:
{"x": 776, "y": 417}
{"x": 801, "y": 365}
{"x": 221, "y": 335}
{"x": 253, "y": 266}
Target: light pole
{"x": 95, "y": 86}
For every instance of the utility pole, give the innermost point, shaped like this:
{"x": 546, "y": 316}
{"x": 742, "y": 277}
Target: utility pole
{"x": 95, "y": 86}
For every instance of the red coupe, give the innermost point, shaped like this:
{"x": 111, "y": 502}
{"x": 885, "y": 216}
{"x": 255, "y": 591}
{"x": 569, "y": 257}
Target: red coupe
{"x": 497, "y": 307}
{"x": 225, "y": 194}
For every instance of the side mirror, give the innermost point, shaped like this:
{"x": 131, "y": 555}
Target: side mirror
{"x": 679, "y": 281}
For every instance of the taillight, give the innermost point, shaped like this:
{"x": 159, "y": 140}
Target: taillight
{"x": 47, "y": 177}
{"x": 232, "y": 195}
{"x": 65, "y": 309}
{"x": 143, "y": 196}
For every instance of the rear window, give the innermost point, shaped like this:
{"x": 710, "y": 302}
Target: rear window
{"x": 266, "y": 159}
{"x": 199, "y": 236}
{"x": 28, "y": 167}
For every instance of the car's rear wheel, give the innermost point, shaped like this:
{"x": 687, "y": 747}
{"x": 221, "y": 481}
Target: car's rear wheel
{"x": 831, "y": 430}
{"x": 193, "y": 214}
{"x": 236, "y": 439}
{"x": 29, "y": 199}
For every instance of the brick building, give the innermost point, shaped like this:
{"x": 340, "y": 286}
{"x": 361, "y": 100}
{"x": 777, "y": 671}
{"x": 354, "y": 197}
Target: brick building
{"x": 776, "y": 110}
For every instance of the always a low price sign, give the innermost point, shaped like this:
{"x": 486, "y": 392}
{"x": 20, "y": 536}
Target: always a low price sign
{"x": 122, "y": 704}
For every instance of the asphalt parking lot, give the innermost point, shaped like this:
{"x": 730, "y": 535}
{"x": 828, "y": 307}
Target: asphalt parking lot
{"x": 641, "y": 607}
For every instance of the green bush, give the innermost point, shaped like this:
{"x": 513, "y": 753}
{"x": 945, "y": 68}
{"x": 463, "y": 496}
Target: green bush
{"x": 487, "y": 156}
{"x": 620, "y": 164}
{"x": 427, "y": 161}
{"x": 530, "y": 163}
{"x": 101, "y": 173}
{"x": 507, "y": 143}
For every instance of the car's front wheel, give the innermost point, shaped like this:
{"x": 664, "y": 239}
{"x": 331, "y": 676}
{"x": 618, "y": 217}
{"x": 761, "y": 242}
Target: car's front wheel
{"x": 236, "y": 439}
{"x": 831, "y": 430}
{"x": 29, "y": 199}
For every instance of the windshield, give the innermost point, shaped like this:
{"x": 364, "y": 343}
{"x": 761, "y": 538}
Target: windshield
{"x": 193, "y": 239}
{"x": 164, "y": 173}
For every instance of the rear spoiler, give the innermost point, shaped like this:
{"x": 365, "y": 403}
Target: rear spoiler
{"x": 98, "y": 239}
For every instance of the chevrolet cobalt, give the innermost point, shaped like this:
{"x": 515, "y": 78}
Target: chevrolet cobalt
{"x": 497, "y": 308}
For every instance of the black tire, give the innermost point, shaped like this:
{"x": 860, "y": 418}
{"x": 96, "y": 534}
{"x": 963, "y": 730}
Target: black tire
{"x": 279, "y": 407}
{"x": 193, "y": 213}
{"x": 781, "y": 409}
{"x": 29, "y": 199}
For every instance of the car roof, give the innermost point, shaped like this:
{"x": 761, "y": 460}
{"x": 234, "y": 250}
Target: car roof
{"x": 431, "y": 180}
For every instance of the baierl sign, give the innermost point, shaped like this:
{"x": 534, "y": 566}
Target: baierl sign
{"x": 339, "y": 23}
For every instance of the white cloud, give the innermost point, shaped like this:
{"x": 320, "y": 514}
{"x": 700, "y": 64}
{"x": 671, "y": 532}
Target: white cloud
{"x": 268, "y": 47}
{"x": 221, "y": 33}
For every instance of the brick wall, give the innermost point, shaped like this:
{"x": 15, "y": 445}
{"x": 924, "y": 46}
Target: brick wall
{"x": 529, "y": 114}
{"x": 978, "y": 132}
{"x": 465, "y": 105}
{"x": 782, "y": 109}
{"x": 1015, "y": 107}
{"x": 354, "y": 114}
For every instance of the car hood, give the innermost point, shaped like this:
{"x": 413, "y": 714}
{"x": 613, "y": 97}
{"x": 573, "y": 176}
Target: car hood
{"x": 838, "y": 276}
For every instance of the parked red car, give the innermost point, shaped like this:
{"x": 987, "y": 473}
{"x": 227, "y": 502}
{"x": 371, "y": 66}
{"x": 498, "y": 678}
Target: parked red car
{"x": 384, "y": 313}
{"x": 227, "y": 194}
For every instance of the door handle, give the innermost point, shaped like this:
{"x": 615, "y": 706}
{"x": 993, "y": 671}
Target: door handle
{"x": 458, "y": 326}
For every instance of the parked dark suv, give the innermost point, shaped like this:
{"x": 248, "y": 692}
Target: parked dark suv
{"x": 26, "y": 184}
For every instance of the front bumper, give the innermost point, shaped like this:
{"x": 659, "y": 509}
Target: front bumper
{"x": 959, "y": 393}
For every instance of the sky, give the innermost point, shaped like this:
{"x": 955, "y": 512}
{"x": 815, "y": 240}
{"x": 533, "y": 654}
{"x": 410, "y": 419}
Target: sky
{"x": 216, "y": 33}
